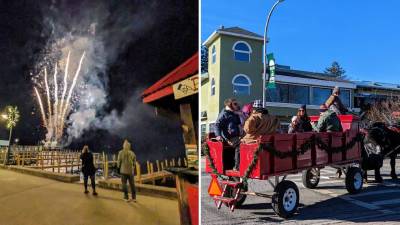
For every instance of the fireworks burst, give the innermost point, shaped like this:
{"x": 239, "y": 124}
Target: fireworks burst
{"x": 58, "y": 105}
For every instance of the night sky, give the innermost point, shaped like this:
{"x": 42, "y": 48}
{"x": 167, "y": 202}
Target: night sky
{"x": 167, "y": 36}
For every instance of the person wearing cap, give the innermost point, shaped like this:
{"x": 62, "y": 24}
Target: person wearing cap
{"x": 335, "y": 104}
{"x": 259, "y": 123}
{"x": 228, "y": 127}
{"x": 328, "y": 121}
{"x": 300, "y": 122}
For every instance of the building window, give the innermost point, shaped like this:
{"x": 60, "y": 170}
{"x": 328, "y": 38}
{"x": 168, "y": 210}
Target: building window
{"x": 241, "y": 84}
{"x": 212, "y": 87}
{"x": 241, "y": 51}
{"x": 278, "y": 94}
{"x": 213, "y": 55}
{"x": 299, "y": 94}
{"x": 287, "y": 93}
{"x": 345, "y": 97}
{"x": 320, "y": 95}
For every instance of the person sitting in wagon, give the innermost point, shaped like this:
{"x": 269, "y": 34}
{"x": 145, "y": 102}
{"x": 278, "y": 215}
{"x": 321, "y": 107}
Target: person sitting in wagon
{"x": 259, "y": 123}
{"x": 227, "y": 127}
{"x": 328, "y": 121}
{"x": 301, "y": 122}
{"x": 335, "y": 104}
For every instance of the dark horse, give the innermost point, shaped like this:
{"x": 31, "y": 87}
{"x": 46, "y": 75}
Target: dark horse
{"x": 380, "y": 141}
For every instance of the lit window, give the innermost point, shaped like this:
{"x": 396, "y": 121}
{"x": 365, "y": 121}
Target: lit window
{"x": 241, "y": 84}
{"x": 241, "y": 51}
{"x": 213, "y": 55}
{"x": 212, "y": 87}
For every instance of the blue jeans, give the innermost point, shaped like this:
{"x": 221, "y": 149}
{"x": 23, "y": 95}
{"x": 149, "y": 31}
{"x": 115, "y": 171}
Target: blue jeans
{"x": 131, "y": 179}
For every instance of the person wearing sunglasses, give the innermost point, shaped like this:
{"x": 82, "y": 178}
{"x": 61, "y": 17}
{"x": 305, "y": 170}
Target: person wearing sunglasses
{"x": 228, "y": 127}
{"x": 301, "y": 122}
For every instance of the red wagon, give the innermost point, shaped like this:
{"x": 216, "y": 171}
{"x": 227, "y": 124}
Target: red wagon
{"x": 278, "y": 155}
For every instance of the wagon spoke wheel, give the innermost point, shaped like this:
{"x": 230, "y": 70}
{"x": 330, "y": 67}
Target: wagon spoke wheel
{"x": 286, "y": 199}
{"x": 354, "y": 180}
{"x": 311, "y": 177}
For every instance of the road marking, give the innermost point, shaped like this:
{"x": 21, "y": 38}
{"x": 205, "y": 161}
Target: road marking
{"x": 387, "y": 202}
{"x": 360, "y": 203}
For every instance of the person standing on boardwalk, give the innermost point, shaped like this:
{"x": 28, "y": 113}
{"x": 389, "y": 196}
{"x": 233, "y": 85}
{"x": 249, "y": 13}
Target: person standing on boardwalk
{"x": 126, "y": 164}
{"x": 88, "y": 169}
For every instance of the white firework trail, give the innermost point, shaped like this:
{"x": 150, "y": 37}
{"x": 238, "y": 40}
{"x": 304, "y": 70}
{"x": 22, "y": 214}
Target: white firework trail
{"x": 64, "y": 90}
{"x": 55, "y": 109}
{"x": 41, "y": 107}
{"x": 71, "y": 90}
{"x": 48, "y": 96}
{"x": 55, "y": 119}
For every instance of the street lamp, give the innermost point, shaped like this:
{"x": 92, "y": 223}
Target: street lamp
{"x": 265, "y": 49}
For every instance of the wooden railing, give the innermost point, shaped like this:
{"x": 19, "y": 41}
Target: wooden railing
{"x": 68, "y": 161}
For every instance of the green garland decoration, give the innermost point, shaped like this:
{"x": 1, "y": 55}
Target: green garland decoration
{"x": 306, "y": 146}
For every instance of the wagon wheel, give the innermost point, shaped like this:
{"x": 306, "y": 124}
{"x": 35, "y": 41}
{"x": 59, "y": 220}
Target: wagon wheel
{"x": 230, "y": 192}
{"x": 354, "y": 180}
{"x": 310, "y": 178}
{"x": 286, "y": 199}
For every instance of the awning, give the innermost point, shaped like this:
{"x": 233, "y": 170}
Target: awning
{"x": 164, "y": 86}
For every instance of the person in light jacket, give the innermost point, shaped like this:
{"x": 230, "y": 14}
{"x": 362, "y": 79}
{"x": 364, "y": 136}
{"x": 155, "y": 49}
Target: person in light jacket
{"x": 126, "y": 164}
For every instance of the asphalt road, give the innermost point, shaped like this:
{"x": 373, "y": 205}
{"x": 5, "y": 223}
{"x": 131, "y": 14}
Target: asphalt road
{"x": 328, "y": 204}
{"x": 26, "y": 200}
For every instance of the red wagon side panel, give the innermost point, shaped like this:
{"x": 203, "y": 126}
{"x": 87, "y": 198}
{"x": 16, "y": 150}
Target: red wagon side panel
{"x": 354, "y": 152}
{"x": 283, "y": 143}
{"x": 337, "y": 141}
{"x": 321, "y": 155}
{"x": 246, "y": 157}
{"x": 304, "y": 160}
{"x": 216, "y": 149}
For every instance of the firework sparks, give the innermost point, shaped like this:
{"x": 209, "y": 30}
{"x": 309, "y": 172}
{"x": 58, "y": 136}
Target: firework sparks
{"x": 55, "y": 119}
{"x": 41, "y": 107}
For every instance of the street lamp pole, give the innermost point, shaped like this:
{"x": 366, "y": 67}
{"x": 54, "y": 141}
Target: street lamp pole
{"x": 265, "y": 50}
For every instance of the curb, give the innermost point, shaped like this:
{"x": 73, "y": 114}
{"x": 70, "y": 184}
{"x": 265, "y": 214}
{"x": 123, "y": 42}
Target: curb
{"x": 67, "y": 178}
{"x": 145, "y": 189}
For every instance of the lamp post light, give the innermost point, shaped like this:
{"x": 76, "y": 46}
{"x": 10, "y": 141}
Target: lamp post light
{"x": 265, "y": 50}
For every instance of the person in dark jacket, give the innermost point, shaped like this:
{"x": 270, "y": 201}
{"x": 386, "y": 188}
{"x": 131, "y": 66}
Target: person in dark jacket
{"x": 334, "y": 103}
{"x": 227, "y": 127}
{"x": 88, "y": 169}
{"x": 301, "y": 122}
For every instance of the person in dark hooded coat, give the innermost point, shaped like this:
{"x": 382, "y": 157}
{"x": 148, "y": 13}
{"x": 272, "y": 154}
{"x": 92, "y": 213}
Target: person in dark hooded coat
{"x": 88, "y": 169}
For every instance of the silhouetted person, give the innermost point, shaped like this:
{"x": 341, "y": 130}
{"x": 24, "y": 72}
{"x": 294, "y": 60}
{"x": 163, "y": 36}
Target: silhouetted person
{"x": 88, "y": 169}
{"x": 126, "y": 164}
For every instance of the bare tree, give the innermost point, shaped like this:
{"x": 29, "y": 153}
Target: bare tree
{"x": 385, "y": 111}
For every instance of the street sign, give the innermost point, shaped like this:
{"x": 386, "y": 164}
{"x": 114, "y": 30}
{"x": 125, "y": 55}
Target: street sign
{"x": 271, "y": 65}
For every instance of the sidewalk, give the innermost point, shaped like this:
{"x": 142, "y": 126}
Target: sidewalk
{"x": 26, "y": 199}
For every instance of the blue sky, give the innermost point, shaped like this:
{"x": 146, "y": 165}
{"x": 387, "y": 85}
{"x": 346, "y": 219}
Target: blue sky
{"x": 362, "y": 35}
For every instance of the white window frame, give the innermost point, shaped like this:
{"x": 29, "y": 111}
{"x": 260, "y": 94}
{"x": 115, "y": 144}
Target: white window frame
{"x": 212, "y": 86}
{"x": 243, "y": 85}
{"x": 241, "y": 51}
{"x": 213, "y": 55}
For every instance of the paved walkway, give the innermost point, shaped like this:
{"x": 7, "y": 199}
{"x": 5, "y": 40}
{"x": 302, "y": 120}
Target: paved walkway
{"x": 26, "y": 199}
